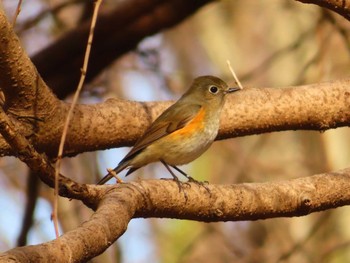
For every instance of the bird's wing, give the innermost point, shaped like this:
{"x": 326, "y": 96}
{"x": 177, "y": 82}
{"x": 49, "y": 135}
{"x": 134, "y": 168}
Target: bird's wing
{"x": 174, "y": 118}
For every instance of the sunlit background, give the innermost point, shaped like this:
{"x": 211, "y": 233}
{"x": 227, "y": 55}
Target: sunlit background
{"x": 270, "y": 44}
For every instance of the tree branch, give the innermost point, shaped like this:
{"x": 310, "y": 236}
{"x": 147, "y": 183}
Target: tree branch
{"x": 161, "y": 198}
{"x": 40, "y": 164}
{"x": 251, "y": 111}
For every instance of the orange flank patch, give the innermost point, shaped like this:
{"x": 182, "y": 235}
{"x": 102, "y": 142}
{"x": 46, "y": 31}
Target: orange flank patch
{"x": 194, "y": 125}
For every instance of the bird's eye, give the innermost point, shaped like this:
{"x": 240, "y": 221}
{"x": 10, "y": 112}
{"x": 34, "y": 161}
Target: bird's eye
{"x": 213, "y": 89}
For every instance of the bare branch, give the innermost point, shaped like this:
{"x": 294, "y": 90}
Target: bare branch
{"x": 161, "y": 198}
{"x": 251, "y": 111}
{"x": 18, "y": 10}
{"x": 97, "y": 4}
{"x": 40, "y": 164}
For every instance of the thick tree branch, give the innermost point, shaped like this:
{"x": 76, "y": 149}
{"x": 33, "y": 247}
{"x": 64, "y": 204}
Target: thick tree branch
{"x": 161, "y": 198}
{"x": 23, "y": 88}
{"x": 40, "y": 164}
{"x": 251, "y": 111}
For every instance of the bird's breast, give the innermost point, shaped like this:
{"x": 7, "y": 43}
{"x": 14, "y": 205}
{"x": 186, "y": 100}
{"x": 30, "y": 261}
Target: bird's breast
{"x": 188, "y": 143}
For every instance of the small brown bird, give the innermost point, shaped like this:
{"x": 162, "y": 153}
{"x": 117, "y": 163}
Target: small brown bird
{"x": 181, "y": 133}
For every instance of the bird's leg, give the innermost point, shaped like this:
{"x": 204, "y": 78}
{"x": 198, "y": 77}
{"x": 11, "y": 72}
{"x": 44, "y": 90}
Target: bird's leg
{"x": 176, "y": 179}
{"x": 184, "y": 174}
{"x": 191, "y": 179}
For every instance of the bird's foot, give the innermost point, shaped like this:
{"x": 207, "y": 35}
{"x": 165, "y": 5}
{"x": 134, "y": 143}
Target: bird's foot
{"x": 199, "y": 183}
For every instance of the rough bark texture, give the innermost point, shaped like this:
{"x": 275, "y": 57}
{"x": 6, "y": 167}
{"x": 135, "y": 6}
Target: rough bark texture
{"x": 251, "y": 111}
{"x": 161, "y": 198}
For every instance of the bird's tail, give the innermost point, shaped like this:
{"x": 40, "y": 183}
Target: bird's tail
{"x": 109, "y": 176}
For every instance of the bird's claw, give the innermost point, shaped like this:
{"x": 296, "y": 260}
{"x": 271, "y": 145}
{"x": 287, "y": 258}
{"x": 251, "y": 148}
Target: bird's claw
{"x": 199, "y": 183}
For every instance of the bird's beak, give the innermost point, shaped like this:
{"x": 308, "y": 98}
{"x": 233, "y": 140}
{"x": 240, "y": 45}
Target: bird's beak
{"x": 230, "y": 90}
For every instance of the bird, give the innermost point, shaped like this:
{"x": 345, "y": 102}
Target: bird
{"x": 182, "y": 132}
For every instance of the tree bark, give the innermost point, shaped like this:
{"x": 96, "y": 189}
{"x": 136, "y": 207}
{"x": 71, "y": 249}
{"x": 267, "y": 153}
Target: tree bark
{"x": 161, "y": 198}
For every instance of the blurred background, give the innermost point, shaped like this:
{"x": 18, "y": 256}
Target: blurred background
{"x": 270, "y": 44}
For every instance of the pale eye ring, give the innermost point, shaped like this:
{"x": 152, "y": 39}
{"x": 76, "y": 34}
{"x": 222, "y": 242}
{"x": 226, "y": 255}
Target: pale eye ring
{"x": 213, "y": 89}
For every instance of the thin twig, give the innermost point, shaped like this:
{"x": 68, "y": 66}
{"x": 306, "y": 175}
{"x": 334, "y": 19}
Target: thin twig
{"x": 234, "y": 74}
{"x": 18, "y": 10}
{"x": 70, "y": 112}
